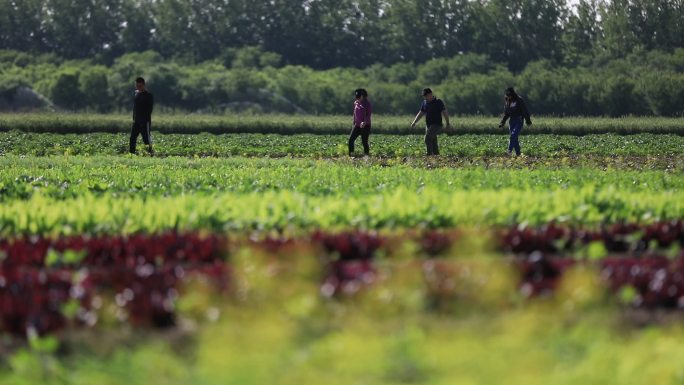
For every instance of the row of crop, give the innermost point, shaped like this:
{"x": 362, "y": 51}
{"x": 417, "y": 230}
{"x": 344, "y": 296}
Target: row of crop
{"x": 194, "y": 248}
{"x": 273, "y": 145}
{"x": 47, "y": 284}
{"x": 69, "y": 177}
{"x": 556, "y": 238}
{"x": 327, "y": 124}
{"x": 290, "y": 211}
{"x": 652, "y": 274}
{"x": 655, "y": 281}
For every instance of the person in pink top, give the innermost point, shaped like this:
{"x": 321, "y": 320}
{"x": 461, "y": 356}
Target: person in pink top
{"x": 362, "y": 121}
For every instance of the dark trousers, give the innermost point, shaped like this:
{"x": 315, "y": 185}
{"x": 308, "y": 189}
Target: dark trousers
{"x": 364, "y": 133}
{"x": 140, "y": 128}
{"x": 514, "y": 127}
{"x": 431, "y": 132}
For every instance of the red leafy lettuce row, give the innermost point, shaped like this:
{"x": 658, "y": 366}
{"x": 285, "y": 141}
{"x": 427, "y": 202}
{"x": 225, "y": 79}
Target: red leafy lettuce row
{"x": 35, "y": 299}
{"x": 656, "y": 281}
{"x": 653, "y": 281}
{"x": 46, "y": 284}
{"x": 121, "y": 251}
{"x": 40, "y": 277}
{"x": 617, "y": 238}
{"x": 346, "y": 246}
{"x": 347, "y": 260}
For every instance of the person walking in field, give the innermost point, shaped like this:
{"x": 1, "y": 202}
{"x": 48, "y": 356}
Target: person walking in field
{"x": 433, "y": 109}
{"x": 362, "y": 121}
{"x": 515, "y": 109}
{"x": 143, "y": 103}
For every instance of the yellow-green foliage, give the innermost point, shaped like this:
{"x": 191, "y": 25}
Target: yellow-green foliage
{"x": 288, "y": 210}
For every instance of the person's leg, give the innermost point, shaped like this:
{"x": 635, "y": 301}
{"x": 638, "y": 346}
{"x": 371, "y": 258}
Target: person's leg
{"x": 513, "y": 143}
{"x": 517, "y": 138}
{"x": 364, "y": 139}
{"x": 516, "y": 142}
{"x": 431, "y": 139}
{"x": 147, "y": 137}
{"x": 428, "y": 141}
{"x": 134, "y": 138}
{"x": 356, "y": 131}
{"x": 435, "y": 145}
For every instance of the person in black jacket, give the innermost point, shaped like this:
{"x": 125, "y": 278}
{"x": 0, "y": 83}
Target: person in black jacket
{"x": 515, "y": 109}
{"x": 433, "y": 109}
{"x": 143, "y": 103}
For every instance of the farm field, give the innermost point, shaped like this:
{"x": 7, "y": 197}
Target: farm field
{"x": 246, "y": 243}
{"x": 46, "y": 195}
{"x": 325, "y": 124}
{"x": 248, "y": 257}
{"x": 667, "y": 147}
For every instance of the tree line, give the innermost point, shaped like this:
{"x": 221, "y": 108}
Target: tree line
{"x": 642, "y": 83}
{"x": 323, "y": 34}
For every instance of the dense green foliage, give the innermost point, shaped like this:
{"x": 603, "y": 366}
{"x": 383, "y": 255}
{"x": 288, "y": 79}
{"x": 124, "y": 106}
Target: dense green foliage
{"x": 60, "y": 177}
{"x": 331, "y": 33}
{"x": 643, "y": 83}
{"x": 597, "y": 57}
{"x": 104, "y": 194}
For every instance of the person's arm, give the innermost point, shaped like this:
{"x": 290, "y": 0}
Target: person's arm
{"x": 367, "y": 117}
{"x": 445, "y": 114}
{"x": 525, "y": 112}
{"x": 151, "y": 105}
{"x": 504, "y": 118}
{"x": 417, "y": 118}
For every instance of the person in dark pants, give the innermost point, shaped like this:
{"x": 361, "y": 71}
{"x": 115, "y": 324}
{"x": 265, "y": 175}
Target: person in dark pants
{"x": 143, "y": 103}
{"x": 362, "y": 121}
{"x": 433, "y": 109}
{"x": 515, "y": 109}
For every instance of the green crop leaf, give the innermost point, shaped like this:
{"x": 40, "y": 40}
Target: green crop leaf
{"x": 627, "y": 295}
{"x": 596, "y": 250}
{"x": 52, "y": 258}
{"x": 43, "y": 344}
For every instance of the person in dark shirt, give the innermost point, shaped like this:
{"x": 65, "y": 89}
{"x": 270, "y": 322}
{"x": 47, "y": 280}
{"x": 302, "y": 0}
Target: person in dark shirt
{"x": 362, "y": 121}
{"x": 515, "y": 109}
{"x": 143, "y": 103}
{"x": 433, "y": 109}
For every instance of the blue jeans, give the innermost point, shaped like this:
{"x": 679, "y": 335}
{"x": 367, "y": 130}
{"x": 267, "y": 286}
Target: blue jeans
{"x": 515, "y": 125}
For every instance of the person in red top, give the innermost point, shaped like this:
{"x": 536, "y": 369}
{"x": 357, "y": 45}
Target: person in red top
{"x": 362, "y": 121}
